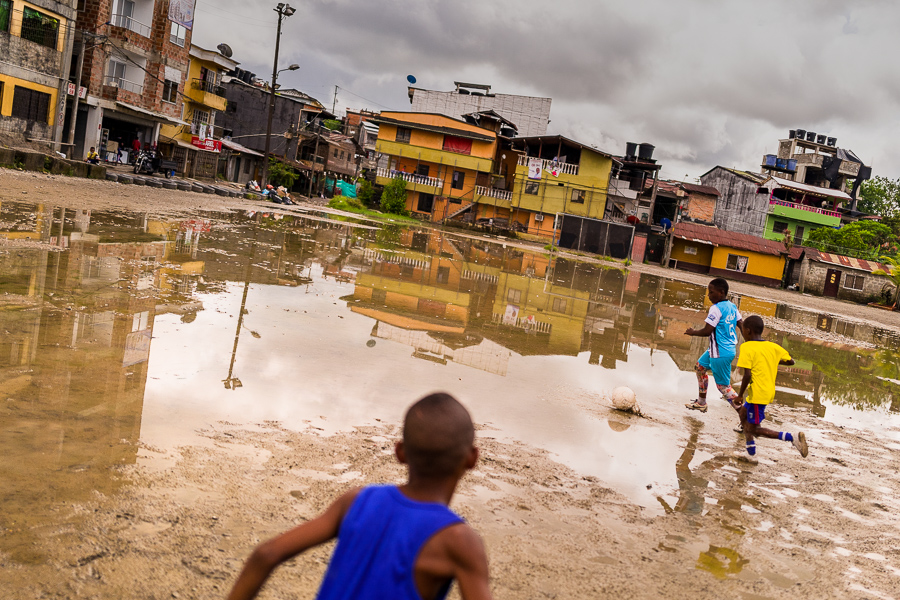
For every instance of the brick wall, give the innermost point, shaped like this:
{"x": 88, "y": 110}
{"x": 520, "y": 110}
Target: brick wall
{"x": 701, "y": 207}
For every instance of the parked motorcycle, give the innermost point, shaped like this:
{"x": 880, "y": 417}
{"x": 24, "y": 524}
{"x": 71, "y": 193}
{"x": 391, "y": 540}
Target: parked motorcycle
{"x": 148, "y": 163}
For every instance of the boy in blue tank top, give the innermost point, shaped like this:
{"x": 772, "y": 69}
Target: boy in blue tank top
{"x": 721, "y": 327}
{"x": 395, "y": 542}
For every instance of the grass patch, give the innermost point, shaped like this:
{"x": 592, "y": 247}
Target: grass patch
{"x": 353, "y": 205}
{"x": 551, "y": 248}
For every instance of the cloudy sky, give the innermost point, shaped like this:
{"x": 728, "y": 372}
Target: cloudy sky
{"x": 706, "y": 81}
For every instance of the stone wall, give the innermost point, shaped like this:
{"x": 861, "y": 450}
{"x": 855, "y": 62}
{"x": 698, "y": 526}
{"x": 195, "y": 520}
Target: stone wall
{"x": 813, "y": 275}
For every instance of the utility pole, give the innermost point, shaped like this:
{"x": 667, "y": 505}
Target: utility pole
{"x": 283, "y": 10}
{"x": 334, "y": 104}
{"x": 78, "y": 71}
{"x": 314, "y": 160}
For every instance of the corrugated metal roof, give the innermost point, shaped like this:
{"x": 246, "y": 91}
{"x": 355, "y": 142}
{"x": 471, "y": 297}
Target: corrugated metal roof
{"x": 845, "y": 261}
{"x": 810, "y": 189}
{"x": 700, "y": 189}
{"x": 239, "y": 148}
{"x": 729, "y": 239}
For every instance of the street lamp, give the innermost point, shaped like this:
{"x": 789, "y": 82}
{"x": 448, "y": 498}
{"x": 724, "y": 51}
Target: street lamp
{"x": 283, "y": 10}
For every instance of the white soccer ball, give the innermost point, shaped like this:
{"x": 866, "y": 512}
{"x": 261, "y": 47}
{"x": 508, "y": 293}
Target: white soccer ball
{"x": 623, "y": 398}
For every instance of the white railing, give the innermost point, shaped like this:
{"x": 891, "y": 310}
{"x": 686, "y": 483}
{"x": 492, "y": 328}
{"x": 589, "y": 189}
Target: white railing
{"x": 522, "y": 323}
{"x": 814, "y": 209}
{"x": 493, "y": 193}
{"x": 410, "y": 177}
{"x": 127, "y": 22}
{"x": 549, "y": 165}
{"x": 124, "y": 84}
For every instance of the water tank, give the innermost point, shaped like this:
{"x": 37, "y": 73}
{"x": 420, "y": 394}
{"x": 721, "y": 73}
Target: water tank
{"x": 645, "y": 151}
{"x": 464, "y": 92}
{"x": 769, "y": 160}
{"x": 630, "y": 150}
{"x": 800, "y": 134}
{"x": 508, "y": 132}
{"x": 820, "y": 139}
{"x": 792, "y": 165}
{"x": 792, "y": 134}
{"x": 832, "y": 142}
{"x": 810, "y": 136}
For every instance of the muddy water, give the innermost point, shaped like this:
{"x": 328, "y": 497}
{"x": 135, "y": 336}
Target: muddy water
{"x": 136, "y": 331}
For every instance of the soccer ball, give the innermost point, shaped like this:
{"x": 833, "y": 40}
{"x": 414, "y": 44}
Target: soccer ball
{"x": 623, "y": 399}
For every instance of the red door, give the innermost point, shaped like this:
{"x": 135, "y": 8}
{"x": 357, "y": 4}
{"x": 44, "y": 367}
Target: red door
{"x": 832, "y": 283}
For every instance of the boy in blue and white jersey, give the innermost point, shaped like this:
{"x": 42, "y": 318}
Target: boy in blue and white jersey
{"x": 721, "y": 327}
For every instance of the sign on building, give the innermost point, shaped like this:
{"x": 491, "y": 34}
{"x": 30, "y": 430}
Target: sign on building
{"x": 534, "y": 168}
{"x": 182, "y": 12}
{"x": 207, "y": 144}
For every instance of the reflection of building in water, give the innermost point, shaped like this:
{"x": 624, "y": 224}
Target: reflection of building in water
{"x": 469, "y": 350}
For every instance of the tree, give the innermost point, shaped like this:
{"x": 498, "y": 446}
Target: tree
{"x": 880, "y": 196}
{"x": 893, "y": 275}
{"x": 281, "y": 174}
{"x": 393, "y": 200}
{"x": 366, "y": 192}
{"x": 863, "y": 239}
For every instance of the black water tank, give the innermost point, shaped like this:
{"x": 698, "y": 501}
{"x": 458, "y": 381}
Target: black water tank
{"x": 645, "y": 151}
{"x": 508, "y": 132}
{"x": 630, "y": 150}
{"x": 820, "y": 139}
{"x": 810, "y": 136}
{"x": 792, "y": 134}
{"x": 801, "y": 134}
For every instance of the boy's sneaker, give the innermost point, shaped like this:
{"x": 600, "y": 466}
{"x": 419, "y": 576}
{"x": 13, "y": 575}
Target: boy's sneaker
{"x": 800, "y": 444}
{"x": 744, "y": 457}
{"x": 739, "y": 428}
{"x": 695, "y": 405}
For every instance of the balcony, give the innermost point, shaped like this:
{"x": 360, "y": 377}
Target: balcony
{"x": 131, "y": 24}
{"x": 123, "y": 84}
{"x": 549, "y": 165}
{"x": 414, "y": 182}
{"x": 801, "y": 212}
{"x": 208, "y": 94}
{"x": 494, "y": 197}
{"x": 435, "y": 156}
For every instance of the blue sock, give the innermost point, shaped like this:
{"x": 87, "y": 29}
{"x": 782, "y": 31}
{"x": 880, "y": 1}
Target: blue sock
{"x": 784, "y": 436}
{"x": 751, "y": 448}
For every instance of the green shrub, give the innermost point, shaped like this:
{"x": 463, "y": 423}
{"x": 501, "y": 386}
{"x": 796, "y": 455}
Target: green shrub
{"x": 366, "y": 192}
{"x": 281, "y": 174}
{"x": 393, "y": 200}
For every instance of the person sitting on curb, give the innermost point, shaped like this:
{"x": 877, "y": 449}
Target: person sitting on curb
{"x": 92, "y": 157}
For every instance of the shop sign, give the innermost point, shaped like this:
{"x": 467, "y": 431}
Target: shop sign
{"x": 207, "y": 144}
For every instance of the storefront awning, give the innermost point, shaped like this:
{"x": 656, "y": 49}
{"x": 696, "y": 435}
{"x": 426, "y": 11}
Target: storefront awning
{"x": 235, "y": 147}
{"x": 167, "y": 140}
{"x": 155, "y": 116}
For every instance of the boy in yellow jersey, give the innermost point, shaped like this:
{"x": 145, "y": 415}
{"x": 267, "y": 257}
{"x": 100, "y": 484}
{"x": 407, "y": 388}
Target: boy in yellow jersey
{"x": 760, "y": 360}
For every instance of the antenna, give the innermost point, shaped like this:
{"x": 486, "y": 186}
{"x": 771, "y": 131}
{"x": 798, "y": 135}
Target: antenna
{"x": 411, "y": 79}
{"x": 225, "y": 50}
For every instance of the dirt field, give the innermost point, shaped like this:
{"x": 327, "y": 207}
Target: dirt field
{"x": 822, "y": 527}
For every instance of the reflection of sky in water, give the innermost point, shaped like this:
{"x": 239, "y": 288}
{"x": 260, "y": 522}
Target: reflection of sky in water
{"x": 316, "y": 363}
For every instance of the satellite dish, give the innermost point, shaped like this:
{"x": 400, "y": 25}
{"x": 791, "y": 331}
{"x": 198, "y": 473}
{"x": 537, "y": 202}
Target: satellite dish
{"x": 225, "y": 50}
{"x": 410, "y": 79}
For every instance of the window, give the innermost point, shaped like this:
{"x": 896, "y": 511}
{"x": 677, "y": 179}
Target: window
{"x": 458, "y": 179}
{"x": 531, "y": 187}
{"x": 39, "y": 28}
{"x": 404, "y": 134}
{"x": 457, "y": 145}
{"x": 170, "y": 91}
{"x": 335, "y": 152}
{"x": 853, "y": 282}
{"x": 422, "y": 170}
{"x": 178, "y": 34}
{"x": 443, "y": 274}
{"x": 737, "y": 263}
{"x": 5, "y": 11}
{"x": 779, "y": 227}
{"x": 559, "y": 305}
{"x": 426, "y": 202}
{"x": 342, "y": 155}
{"x": 200, "y": 123}
{"x": 30, "y": 105}
{"x": 578, "y": 196}
{"x": 514, "y": 296}
{"x": 116, "y": 72}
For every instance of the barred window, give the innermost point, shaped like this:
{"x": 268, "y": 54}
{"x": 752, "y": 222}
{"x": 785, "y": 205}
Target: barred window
{"x": 854, "y": 282}
{"x": 30, "y": 105}
{"x": 5, "y": 12}
{"x": 39, "y": 28}
{"x": 403, "y": 134}
{"x": 170, "y": 91}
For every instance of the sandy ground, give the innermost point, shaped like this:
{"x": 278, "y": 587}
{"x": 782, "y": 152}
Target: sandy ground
{"x": 825, "y": 527}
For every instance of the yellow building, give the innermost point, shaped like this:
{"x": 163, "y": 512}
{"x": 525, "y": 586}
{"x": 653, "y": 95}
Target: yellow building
{"x": 727, "y": 254}
{"x": 443, "y": 160}
{"x": 195, "y": 148}
{"x": 35, "y": 38}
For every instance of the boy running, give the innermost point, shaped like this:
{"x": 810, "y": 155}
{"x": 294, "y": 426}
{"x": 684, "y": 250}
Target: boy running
{"x": 397, "y": 542}
{"x": 720, "y": 326}
{"x": 760, "y": 361}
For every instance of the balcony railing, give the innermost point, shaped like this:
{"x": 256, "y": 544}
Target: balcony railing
{"x": 209, "y": 87}
{"x": 130, "y": 24}
{"x": 124, "y": 84}
{"x": 549, "y": 165}
{"x": 410, "y": 177}
{"x": 493, "y": 193}
{"x": 821, "y": 211}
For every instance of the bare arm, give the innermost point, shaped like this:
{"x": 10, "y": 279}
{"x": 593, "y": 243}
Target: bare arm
{"x": 470, "y": 564}
{"x": 787, "y": 362}
{"x": 272, "y": 553}
{"x": 745, "y": 382}
{"x": 707, "y": 329}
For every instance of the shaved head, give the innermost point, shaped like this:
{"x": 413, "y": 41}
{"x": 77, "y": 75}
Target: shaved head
{"x": 438, "y": 435}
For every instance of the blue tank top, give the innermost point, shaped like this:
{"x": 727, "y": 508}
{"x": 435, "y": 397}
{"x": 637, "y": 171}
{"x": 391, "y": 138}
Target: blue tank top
{"x": 378, "y": 543}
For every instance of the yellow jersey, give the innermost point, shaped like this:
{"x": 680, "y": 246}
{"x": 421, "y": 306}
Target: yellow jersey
{"x": 762, "y": 359}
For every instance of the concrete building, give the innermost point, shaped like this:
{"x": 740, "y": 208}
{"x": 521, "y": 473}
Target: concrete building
{"x": 135, "y": 70}
{"x": 842, "y": 277}
{"x": 530, "y": 114}
{"x": 35, "y": 47}
{"x": 195, "y": 147}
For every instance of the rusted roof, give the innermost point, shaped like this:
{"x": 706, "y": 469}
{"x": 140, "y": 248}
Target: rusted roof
{"x": 845, "y": 261}
{"x": 700, "y": 189}
{"x": 729, "y": 239}
{"x": 488, "y": 136}
{"x": 754, "y": 177}
{"x": 809, "y": 189}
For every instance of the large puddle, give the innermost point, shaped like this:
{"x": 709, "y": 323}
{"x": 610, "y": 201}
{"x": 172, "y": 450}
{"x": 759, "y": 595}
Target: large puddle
{"x": 137, "y": 331}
